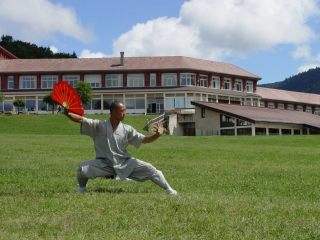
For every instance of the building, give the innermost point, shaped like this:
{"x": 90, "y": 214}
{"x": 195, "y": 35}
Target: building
{"x": 144, "y": 84}
{"x": 230, "y": 119}
{"x": 5, "y": 54}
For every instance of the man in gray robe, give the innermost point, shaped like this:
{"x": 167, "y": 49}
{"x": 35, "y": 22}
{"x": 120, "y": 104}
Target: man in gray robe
{"x": 111, "y": 139}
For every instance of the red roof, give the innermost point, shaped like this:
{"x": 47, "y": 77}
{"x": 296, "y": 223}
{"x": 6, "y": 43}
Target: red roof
{"x": 140, "y": 64}
{"x": 263, "y": 115}
{"x": 287, "y": 96}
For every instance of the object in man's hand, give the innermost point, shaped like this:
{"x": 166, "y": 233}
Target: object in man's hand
{"x": 65, "y": 95}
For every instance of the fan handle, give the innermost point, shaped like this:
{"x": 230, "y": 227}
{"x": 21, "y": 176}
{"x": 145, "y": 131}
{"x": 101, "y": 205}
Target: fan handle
{"x": 65, "y": 105}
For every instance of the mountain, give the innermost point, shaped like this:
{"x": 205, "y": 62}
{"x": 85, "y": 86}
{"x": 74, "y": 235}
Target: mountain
{"x": 308, "y": 82}
{"x": 24, "y": 50}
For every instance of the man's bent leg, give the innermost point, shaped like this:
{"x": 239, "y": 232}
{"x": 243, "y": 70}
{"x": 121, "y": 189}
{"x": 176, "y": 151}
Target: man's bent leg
{"x": 92, "y": 169}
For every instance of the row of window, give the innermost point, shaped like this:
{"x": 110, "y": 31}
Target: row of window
{"x": 133, "y": 80}
{"x": 290, "y": 107}
{"x": 154, "y": 104}
{"x": 269, "y": 131}
{"x": 260, "y": 131}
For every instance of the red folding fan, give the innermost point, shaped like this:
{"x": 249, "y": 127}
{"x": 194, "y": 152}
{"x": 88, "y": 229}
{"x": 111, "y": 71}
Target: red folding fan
{"x": 65, "y": 95}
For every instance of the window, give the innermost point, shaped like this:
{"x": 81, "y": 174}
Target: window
{"x": 187, "y": 79}
{"x": 227, "y": 83}
{"x": 239, "y": 85}
{"x": 93, "y": 79}
{"x": 273, "y": 131}
{"x": 299, "y": 108}
{"x": 31, "y": 104}
{"x": 27, "y": 82}
{"x": 135, "y": 80}
{"x": 135, "y": 103}
{"x": 226, "y": 121}
{"x": 215, "y": 82}
{"x": 7, "y": 105}
{"x": 249, "y": 86}
{"x": 114, "y": 80}
{"x": 261, "y": 104}
{"x": 308, "y": 109}
{"x": 203, "y": 112}
{"x": 280, "y": 105}
{"x": 261, "y": 131}
{"x": 169, "y": 79}
{"x": 71, "y": 79}
{"x": 189, "y": 99}
{"x": 10, "y": 82}
{"x": 227, "y": 132}
{"x": 241, "y": 122}
{"x": 153, "y": 80}
{"x": 203, "y": 81}
{"x": 175, "y": 102}
{"x": 108, "y": 99}
{"x": 48, "y": 81}
{"x": 270, "y": 104}
{"x": 285, "y": 131}
{"x": 317, "y": 111}
{"x": 42, "y": 106}
{"x": 296, "y": 131}
{"x": 244, "y": 131}
{"x": 290, "y": 107}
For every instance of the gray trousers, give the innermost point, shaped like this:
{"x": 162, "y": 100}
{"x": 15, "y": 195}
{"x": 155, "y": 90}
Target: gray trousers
{"x": 98, "y": 168}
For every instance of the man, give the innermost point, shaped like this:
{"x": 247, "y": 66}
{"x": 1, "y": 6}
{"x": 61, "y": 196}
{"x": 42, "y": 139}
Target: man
{"x": 110, "y": 141}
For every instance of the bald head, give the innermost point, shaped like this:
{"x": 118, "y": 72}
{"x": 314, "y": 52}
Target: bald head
{"x": 116, "y": 105}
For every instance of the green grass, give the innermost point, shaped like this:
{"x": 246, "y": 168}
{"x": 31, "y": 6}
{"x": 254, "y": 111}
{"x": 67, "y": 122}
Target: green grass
{"x": 263, "y": 187}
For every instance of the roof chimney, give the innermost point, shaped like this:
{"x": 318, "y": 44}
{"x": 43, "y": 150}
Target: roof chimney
{"x": 122, "y": 58}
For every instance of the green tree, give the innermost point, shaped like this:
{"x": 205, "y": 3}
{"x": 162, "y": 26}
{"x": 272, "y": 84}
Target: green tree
{"x": 25, "y": 50}
{"x": 48, "y": 100}
{"x": 1, "y": 97}
{"x": 84, "y": 91}
{"x": 19, "y": 103}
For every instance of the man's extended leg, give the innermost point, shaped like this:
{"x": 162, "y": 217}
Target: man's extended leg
{"x": 159, "y": 179}
{"x": 145, "y": 171}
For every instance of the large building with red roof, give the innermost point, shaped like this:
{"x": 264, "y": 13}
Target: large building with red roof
{"x": 144, "y": 84}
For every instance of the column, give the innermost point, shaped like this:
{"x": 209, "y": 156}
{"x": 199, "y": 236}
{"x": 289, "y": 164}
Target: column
{"x": 210, "y": 81}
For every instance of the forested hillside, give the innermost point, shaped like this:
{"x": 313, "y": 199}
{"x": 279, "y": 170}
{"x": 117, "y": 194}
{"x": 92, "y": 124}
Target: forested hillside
{"x": 24, "y": 50}
{"x": 308, "y": 82}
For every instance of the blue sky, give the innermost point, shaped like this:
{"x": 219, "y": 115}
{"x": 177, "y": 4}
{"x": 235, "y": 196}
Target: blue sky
{"x": 273, "y": 39}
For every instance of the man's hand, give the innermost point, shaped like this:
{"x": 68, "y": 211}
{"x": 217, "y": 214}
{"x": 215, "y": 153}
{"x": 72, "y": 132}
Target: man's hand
{"x": 66, "y": 111}
{"x": 72, "y": 116}
{"x": 159, "y": 128}
{"x": 159, "y": 131}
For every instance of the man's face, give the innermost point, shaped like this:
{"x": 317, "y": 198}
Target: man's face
{"x": 121, "y": 112}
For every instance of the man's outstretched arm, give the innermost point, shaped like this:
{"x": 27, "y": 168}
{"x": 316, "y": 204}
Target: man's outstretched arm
{"x": 159, "y": 132}
{"x": 72, "y": 116}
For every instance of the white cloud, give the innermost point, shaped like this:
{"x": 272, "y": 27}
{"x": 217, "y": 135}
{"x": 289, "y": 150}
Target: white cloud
{"x": 36, "y": 20}
{"x": 304, "y": 53}
{"x": 214, "y": 29}
{"x": 87, "y": 54}
{"x": 53, "y": 49}
{"x": 306, "y": 67}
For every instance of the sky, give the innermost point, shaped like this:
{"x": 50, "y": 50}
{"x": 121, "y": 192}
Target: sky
{"x": 273, "y": 39}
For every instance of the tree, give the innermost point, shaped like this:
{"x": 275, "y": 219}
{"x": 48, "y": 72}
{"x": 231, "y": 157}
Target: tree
{"x": 19, "y": 103}
{"x": 48, "y": 100}
{"x": 1, "y": 97}
{"x": 25, "y": 50}
{"x": 84, "y": 91}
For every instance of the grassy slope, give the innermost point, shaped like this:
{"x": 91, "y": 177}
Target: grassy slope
{"x": 229, "y": 187}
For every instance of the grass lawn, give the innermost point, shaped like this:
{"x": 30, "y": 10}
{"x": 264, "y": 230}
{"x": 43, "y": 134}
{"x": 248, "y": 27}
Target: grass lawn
{"x": 262, "y": 187}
